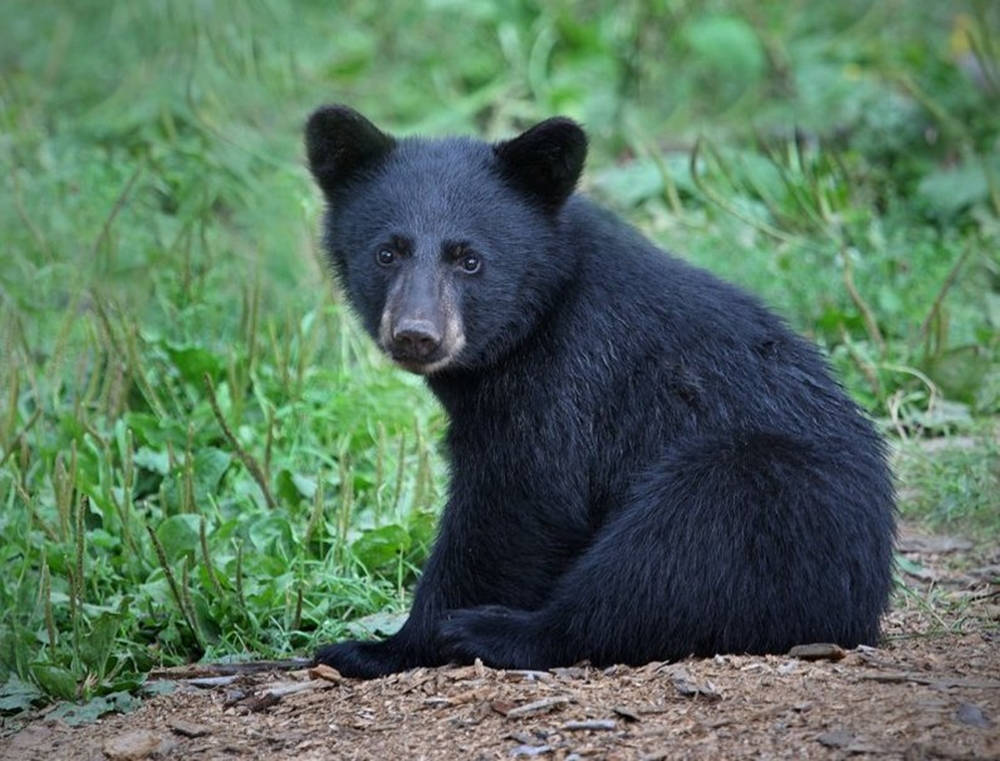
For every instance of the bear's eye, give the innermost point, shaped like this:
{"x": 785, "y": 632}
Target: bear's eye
{"x": 470, "y": 263}
{"x": 385, "y": 257}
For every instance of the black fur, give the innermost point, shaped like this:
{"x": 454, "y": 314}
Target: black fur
{"x": 645, "y": 462}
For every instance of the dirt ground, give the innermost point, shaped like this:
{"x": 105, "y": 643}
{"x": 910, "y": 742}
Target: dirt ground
{"x": 932, "y": 691}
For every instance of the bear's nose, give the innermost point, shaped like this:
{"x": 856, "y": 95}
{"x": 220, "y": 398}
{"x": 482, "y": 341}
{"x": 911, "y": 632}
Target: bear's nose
{"x": 416, "y": 338}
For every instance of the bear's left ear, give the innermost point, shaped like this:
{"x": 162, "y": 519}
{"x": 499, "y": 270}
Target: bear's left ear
{"x": 546, "y": 161}
{"x": 340, "y": 143}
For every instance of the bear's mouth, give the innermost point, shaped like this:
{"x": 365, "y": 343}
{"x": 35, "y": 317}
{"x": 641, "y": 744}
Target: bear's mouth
{"x": 423, "y": 365}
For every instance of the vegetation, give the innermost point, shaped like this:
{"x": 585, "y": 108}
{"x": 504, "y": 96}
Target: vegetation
{"x": 200, "y": 453}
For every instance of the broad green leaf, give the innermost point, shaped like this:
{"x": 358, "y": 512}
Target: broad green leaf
{"x": 726, "y": 44}
{"x": 156, "y": 461}
{"x": 210, "y": 464}
{"x": 76, "y": 714}
{"x": 950, "y": 189}
{"x": 194, "y": 361}
{"x": 17, "y": 695}
{"x": 380, "y": 624}
{"x": 271, "y": 529}
{"x": 95, "y": 648}
{"x": 179, "y": 534}
{"x": 55, "y": 680}
{"x": 375, "y": 548}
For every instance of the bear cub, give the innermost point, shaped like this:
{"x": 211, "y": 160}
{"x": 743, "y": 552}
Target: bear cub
{"x": 645, "y": 462}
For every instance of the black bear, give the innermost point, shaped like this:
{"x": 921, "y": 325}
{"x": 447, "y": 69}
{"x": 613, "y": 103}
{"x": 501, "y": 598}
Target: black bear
{"x": 645, "y": 462}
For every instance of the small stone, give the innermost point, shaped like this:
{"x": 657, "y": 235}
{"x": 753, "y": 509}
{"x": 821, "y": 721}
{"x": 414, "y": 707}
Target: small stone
{"x": 818, "y": 651}
{"x": 527, "y": 751}
{"x": 189, "y": 728}
{"x": 838, "y": 738}
{"x": 133, "y": 745}
{"x": 971, "y": 714}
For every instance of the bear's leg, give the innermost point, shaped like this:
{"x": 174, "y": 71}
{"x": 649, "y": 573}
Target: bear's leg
{"x": 744, "y": 544}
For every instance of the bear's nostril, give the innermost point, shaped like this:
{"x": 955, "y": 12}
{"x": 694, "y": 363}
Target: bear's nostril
{"x": 416, "y": 338}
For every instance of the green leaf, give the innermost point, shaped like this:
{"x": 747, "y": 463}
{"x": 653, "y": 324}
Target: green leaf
{"x": 179, "y": 534}
{"x": 960, "y": 372}
{"x": 284, "y": 486}
{"x": 630, "y": 183}
{"x": 159, "y": 687}
{"x": 294, "y": 487}
{"x": 87, "y": 713}
{"x": 194, "y": 361}
{"x": 210, "y": 464}
{"x": 306, "y": 486}
{"x": 726, "y": 44}
{"x": 270, "y": 530}
{"x": 17, "y": 695}
{"x": 378, "y": 547}
{"x": 96, "y": 647}
{"x": 157, "y": 462}
{"x": 949, "y": 190}
{"x": 634, "y": 182}
{"x": 55, "y": 680}
{"x": 377, "y": 625}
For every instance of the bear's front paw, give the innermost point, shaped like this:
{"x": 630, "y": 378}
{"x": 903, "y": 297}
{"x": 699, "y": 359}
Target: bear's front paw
{"x": 500, "y": 637}
{"x": 360, "y": 660}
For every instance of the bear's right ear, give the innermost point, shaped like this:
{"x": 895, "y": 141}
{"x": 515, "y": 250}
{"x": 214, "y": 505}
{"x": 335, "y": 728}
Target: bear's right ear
{"x": 546, "y": 161}
{"x": 340, "y": 142}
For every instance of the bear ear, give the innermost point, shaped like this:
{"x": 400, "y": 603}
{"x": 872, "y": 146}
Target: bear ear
{"x": 340, "y": 142}
{"x": 546, "y": 161}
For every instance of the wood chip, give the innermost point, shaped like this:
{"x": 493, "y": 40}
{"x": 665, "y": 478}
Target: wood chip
{"x": 527, "y": 751}
{"x": 626, "y": 713}
{"x": 280, "y": 689}
{"x": 689, "y": 688}
{"x": 837, "y": 738}
{"x": 259, "y": 703}
{"x": 818, "y": 651}
{"x": 599, "y": 725}
{"x": 534, "y": 708}
{"x": 188, "y": 728}
{"x": 209, "y": 682}
{"x": 570, "y": 672}
{"x": 322, "y": 671}
{"x": 133, "y": 745}
{"x": 529, "y": 676}
{"x": 940, "y": 682}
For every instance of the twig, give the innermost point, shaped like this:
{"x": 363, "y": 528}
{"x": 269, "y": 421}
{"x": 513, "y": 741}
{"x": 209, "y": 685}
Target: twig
{"x": 40, "y": 240}
{"x": 161, "y": 555}
{"x": 942, "y": 292}
{"x": 247, "y": 459}
{"x": 119, "y": 203}
{"x": 871, "y": 324}
{"x": 866, "y": 369}
{"x": 16, "y": 441}
{"x": 941, "y": 681}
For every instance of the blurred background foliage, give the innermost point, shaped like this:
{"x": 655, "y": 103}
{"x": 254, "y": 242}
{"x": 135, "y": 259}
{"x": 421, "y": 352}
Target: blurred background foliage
{"x": 200, "y": 454}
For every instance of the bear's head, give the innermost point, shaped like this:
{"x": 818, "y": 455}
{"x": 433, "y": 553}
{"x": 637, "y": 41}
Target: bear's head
{"x": 445, "y": 248}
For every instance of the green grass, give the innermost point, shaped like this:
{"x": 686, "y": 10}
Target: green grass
{"x": 200, "y": 453}
{"x": 953, "y": 483}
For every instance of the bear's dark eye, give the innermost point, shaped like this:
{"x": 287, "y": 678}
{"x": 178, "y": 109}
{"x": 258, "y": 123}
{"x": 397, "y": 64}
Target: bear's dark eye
{"x": 470, "y": 263}
{"x": 385, "y": 257}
